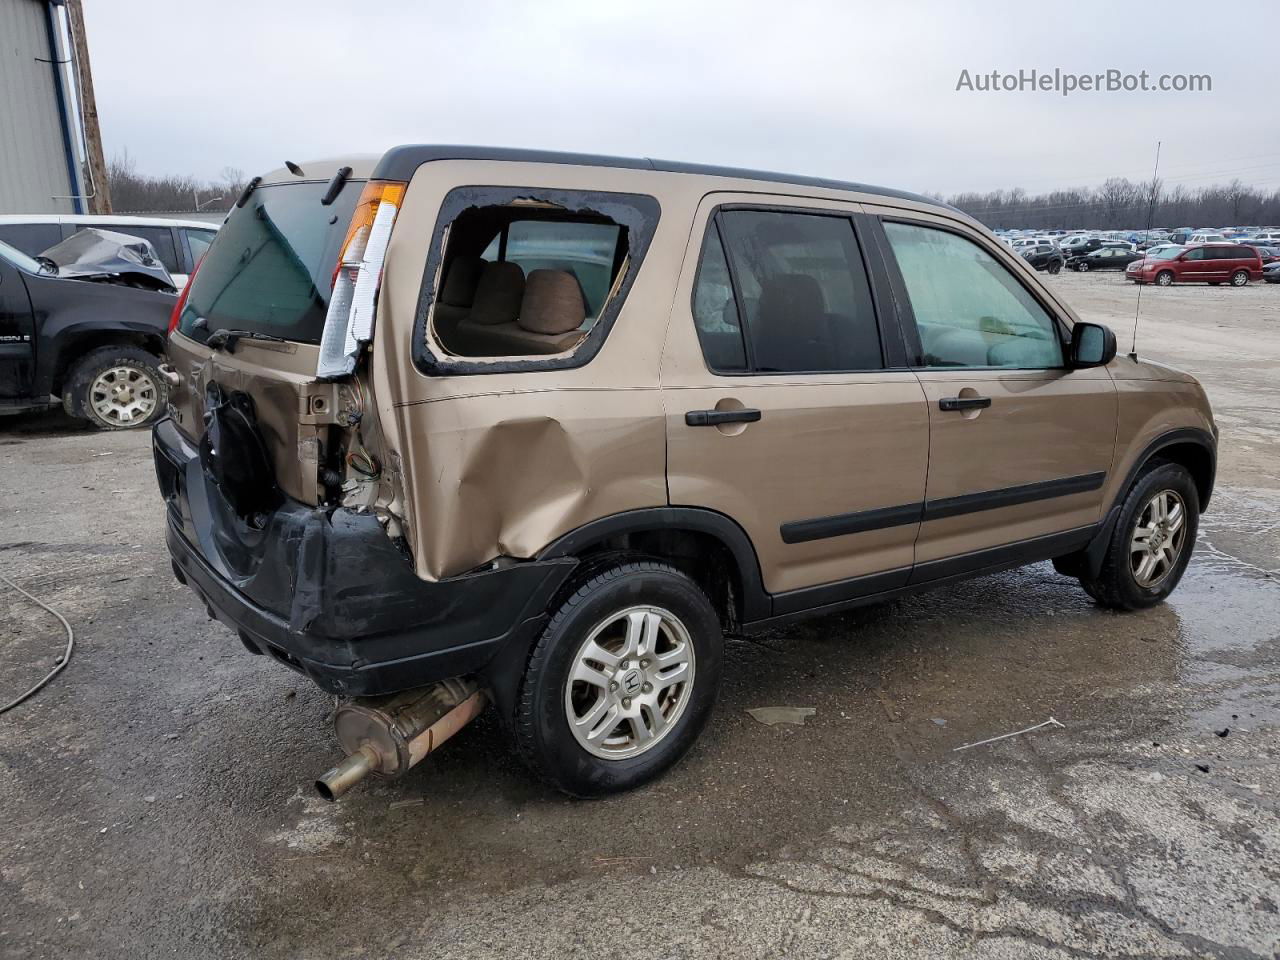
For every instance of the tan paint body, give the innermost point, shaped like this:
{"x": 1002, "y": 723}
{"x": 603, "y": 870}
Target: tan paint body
{"x": 502, "y": 464}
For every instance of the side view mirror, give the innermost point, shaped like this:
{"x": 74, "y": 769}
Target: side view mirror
{"x": 1092, "y": 345}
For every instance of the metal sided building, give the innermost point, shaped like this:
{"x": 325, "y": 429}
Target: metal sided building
{"x": 45, "y": 143}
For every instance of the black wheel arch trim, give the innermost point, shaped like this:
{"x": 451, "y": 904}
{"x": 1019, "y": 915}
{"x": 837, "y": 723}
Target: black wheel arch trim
{"x": 1096, "y": 550}
{"x": 756, "y": 603}
{"x": 1202, "y": 438}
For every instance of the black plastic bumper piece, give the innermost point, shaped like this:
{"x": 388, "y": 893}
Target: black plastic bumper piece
{"x": 327, "y": 593}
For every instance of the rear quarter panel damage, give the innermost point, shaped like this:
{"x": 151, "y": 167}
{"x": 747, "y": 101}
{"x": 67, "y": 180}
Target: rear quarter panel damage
{"x": 503, "y": 475}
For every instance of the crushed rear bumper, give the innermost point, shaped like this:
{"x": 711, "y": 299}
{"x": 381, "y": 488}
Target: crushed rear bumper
{"x": 327, "y": 593}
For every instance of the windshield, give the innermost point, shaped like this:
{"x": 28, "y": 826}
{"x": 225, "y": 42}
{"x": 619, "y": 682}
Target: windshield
{"x": 21, "y": 260}
{"x": 1164, "y": 253}
{"x": 270, "y": 268}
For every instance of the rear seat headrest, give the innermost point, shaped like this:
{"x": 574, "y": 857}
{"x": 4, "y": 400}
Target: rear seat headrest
{"x": 498, "y": 293}
{"x": 552, "y": 303}
{"x": 460, "y": 281}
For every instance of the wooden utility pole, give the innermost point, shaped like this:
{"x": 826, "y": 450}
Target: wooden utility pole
{"x": 100, "y": 201}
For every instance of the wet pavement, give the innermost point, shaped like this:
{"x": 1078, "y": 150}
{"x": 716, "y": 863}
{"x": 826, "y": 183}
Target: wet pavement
{"x": 156, "y": 798}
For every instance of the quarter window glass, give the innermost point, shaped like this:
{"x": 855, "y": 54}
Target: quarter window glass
{"x": 806, "y": 299}
{"x": 198, "y": 241}
{"x": 969, "y": 309}
{"x": 715, "y": 313}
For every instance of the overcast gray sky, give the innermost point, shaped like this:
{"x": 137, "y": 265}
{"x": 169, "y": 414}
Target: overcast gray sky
{"x": 843, "y": 89}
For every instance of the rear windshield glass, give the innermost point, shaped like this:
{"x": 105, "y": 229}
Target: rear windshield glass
{"x": 270, "y": 269}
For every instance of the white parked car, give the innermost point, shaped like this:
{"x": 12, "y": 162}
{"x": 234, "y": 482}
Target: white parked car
{"x": 1207, "y": 238}
{"x": 178, "y": 243}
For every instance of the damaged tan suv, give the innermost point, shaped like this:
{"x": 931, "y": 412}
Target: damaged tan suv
{"x": 459, "y": 426}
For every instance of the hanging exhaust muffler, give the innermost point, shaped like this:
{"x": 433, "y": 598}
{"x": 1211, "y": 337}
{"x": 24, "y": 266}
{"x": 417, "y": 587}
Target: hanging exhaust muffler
{"x": 388, "y": 735}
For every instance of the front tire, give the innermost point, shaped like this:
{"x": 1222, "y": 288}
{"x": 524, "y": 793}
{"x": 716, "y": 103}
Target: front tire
{"x": 1055, "y": 268}
{"x": 116, "y": 388}
{"x": 1082, "y": 267}
{"x": 621, "y": 681}
{"x": 1164, "y": 278}
{"x": 1152, "y": 542}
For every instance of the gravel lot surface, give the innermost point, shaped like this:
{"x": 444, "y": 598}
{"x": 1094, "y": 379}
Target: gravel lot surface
{"x": 155, "y": 798}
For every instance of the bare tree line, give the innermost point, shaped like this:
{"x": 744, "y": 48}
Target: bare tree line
{"x": 1116, "y": 204}
{"x": 134, "y": 192}
{"x": 1122, "y": 204}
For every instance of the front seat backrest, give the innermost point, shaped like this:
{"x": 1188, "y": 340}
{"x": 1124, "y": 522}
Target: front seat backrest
{"x": 461, "y": 280}
{"x": 498, "y": 294}
{"x": 790, "y": 330}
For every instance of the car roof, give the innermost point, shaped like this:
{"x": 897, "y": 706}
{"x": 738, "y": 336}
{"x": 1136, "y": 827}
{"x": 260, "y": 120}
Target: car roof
{"x": 93, "y": 220}
{"x": 399, "y": 163}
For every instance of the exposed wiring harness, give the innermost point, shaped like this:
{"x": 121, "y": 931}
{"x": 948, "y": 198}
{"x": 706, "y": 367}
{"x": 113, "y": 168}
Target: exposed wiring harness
{"x": 364, "y": 464}
{"x": 62, "y": 663}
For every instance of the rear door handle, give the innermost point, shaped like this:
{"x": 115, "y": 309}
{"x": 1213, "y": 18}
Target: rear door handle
{"x": 712, "y": 418}
{"x": 964, "y": 403}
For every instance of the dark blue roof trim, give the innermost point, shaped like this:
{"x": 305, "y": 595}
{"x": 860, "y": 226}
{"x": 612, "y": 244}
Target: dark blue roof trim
{"x": 399, "y": 163}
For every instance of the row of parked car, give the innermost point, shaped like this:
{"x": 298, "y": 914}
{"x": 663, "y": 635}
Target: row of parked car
{"x": 1212, "y": 261}
{"x": 85, "y": 303}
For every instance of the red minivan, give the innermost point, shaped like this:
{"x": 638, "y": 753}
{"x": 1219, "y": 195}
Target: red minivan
{"x": 1212, "y": 263}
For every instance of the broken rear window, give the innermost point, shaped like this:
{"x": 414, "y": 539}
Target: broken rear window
{"x": 529, "y": 277}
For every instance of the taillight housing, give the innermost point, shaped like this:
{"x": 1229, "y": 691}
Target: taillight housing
{"x": 176, "y": 317}
{"x": 348, "y": 323}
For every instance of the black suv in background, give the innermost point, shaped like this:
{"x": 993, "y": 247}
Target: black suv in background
{"x": 91, "y": 344}
{"x": 1044, "y": 256}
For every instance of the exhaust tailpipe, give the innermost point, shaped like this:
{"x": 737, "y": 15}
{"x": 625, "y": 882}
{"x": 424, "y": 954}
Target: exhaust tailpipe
{"x": 388, "y": 735}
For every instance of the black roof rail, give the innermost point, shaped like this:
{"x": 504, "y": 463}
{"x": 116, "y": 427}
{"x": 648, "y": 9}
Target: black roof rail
{"x": 399, "y": 163}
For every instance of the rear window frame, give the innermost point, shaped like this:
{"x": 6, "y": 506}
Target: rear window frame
{"x": 638, "y": 213}
{"x": 212, "y": 325}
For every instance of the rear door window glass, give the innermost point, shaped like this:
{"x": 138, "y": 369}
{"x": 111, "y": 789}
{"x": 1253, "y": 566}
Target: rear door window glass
{"x": 805, "y": 298}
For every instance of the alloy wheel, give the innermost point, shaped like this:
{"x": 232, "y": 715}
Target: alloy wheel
{"x": 630, "y": 682}
{"x": 123, "y": 396}
{"x": 1158, "y": 538}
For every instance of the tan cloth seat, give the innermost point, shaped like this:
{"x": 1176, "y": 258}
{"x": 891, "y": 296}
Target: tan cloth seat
{"x": 499, "y": 292}
{"x": 550, "y": 318}
{"x": 456, "y": 296}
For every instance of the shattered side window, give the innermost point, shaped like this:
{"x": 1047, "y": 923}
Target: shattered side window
{"x": 534, "y": 277}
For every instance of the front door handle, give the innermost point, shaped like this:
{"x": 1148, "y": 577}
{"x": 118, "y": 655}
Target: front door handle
{"x": 964, "y": 403}
{"x": 713, "y": 418}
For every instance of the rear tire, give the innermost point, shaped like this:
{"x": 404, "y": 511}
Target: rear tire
{"x": 1055, "y": 268}
{"x": 116, "y": 388}
{"x": 621, "y": 681}
{"x": 1240, "y": 278}
{"x": 1152, "y": 542}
